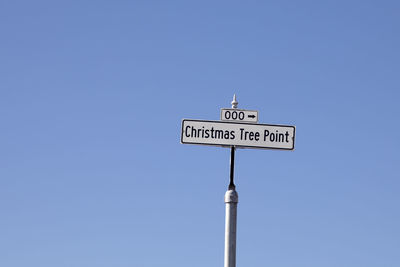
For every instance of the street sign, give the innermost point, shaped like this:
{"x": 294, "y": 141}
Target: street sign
{"x": 238, "y": 128}
{"x": 239, "y": 115}
{"x": 247, "y": 135}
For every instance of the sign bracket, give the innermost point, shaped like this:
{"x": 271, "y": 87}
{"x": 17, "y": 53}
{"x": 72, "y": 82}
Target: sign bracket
{"x": 232, "y": 163}
{"x": 231, "y": 183}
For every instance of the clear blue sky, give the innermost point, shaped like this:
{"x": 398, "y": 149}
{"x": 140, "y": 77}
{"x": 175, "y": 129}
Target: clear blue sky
{"x": 92, "y": 94}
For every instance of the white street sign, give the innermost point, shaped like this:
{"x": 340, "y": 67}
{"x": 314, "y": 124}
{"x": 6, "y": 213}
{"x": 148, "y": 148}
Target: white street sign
{"x": 249, "y": 135}
{"x": 239, "y": 115}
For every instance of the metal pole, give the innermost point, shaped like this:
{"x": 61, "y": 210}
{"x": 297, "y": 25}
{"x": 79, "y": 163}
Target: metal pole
{"x": 231, "y": 201}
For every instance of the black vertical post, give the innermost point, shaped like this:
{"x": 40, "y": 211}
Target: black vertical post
{"x": 231, "y": 184}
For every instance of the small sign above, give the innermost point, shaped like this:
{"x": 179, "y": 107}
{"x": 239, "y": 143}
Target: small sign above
{"x": 239, "y": 115}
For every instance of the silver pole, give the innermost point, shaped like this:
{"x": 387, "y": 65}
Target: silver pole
{"x": 231, "y": 201}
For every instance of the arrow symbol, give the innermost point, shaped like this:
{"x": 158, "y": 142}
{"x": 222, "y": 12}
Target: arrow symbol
{"x": 251, "y": 116}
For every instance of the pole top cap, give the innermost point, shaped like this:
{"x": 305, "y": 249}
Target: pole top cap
{"x": 234, "y": 102}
